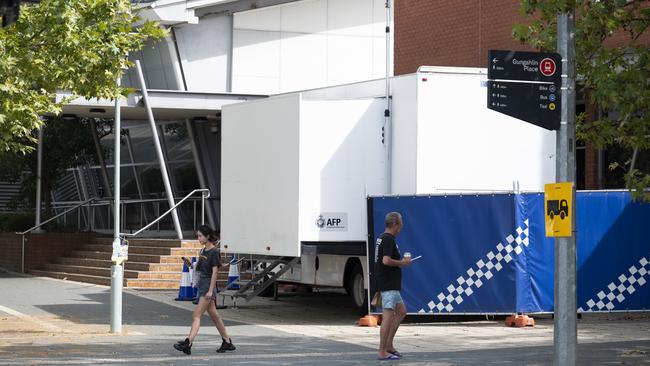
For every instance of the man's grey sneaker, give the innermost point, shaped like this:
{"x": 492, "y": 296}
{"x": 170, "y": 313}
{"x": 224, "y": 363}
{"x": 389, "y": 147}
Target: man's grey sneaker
{"x": 226, "y": 346}
{"x": 184, "y": 346}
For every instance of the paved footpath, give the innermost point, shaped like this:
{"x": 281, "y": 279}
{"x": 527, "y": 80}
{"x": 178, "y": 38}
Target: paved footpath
{"x": 53, "y": 322}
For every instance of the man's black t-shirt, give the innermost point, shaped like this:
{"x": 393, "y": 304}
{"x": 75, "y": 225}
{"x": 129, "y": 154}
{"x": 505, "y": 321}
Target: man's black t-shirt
{"x": 388, "y": 277}
{"x": 208, "y": 259}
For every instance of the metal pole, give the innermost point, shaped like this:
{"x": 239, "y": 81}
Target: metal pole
{"x": 202, "y": 208}
{"x": 199, "y": 166}
{"x": 39, "y": 170}
{"x": 22, "y": 263}
{"x": 161, "y": 158}
{"x": 100, "y": 158}
{"x": 565, "y": 336}
{"x": 117, "y": 272}
{"x": 387, "y": 123}
{"x": 138, "y": 184}
{"x": 117, "y": 275}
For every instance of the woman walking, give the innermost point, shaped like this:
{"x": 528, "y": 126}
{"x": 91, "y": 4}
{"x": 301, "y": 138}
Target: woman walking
{"x": 208, "y": 264}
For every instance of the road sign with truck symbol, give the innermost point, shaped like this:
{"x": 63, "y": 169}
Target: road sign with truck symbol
{"x": 558, "y": 203}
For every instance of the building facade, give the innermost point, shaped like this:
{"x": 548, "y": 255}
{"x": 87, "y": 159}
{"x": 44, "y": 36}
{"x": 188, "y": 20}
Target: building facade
{"x": 255, "y": 48}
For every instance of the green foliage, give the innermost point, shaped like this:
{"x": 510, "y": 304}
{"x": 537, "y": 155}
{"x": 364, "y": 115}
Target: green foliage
{"x": 15, "y": 222}
{"x": 79, "y": 46}
{"x": 67, "y": 143}
{"x": 613, "y": 68}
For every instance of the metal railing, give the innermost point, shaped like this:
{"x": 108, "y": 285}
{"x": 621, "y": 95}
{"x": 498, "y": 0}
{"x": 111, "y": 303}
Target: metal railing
{"x": 135, "y": 213}
{"x": 92, "y": 203}
{"x": 205, "y": 194}
{"x": 22, "y": 234}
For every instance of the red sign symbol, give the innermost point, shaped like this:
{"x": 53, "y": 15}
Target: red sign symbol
{"x": 547, "y": 67}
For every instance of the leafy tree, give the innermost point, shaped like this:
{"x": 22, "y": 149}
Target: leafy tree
{"x": 613, "y": 68}
{"x": 74, "y": 45}
{"x": 68, "y": 144}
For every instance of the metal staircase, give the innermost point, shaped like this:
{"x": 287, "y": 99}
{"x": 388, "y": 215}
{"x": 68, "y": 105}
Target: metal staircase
{"x": 274, "y": 269}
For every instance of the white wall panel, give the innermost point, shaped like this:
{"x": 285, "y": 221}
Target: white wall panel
{"x": 349, "y": 59}
{"x": 340, "y": 162}
{"x": 304, "y": 57}
{"x": 379, "y": 18}
{"x": 308, "y": 16}
{"x": 462, "y": 145}
{"x": 404, "y": 152}
{"x": 352, "y": 18}
{"x": 267, "y": 19}
{"x": 156, "y": 66}
{"x": 354, "y": 49}
{"x": 257, "y": 55}
{"x": 259, "y": 176}
{"x": 205, "y": 53}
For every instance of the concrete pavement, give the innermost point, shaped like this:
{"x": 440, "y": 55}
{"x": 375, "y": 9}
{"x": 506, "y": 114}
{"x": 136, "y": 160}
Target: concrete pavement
{"x": 52, "y": 322}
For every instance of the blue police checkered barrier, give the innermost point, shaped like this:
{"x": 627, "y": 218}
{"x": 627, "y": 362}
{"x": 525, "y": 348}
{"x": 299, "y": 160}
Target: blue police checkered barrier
{"x": 488, "y": 254}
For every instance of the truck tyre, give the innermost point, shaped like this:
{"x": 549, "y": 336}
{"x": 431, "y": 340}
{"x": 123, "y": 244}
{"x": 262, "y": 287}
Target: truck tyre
{"x": 562, "y": 215}
{"x": 356, "y": 291}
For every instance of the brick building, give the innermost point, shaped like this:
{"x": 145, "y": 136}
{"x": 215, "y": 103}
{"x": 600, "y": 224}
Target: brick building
{"x": 453, "y": 33}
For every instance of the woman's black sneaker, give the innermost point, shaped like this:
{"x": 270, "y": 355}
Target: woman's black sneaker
{"x": 226, "y": 346}
{"x": 184, "y": 346}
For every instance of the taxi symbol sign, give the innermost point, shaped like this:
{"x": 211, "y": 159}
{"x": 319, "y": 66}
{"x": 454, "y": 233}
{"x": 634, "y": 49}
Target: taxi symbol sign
{"x": 558, "y": 205}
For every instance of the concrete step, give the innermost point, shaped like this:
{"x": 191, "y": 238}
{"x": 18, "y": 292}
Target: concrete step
{"x": 159, "y": 243}
{"x": 92, "y": 271}
{"x": 129, "y": 265}
{"x": 152, "y": 284}
{"x": 132, "y": 249}
{"x": 176, "y": 276}
{"x": 146, "y": 258}
{"x": 143, "y": 250}
{"x": 98, "y": 280}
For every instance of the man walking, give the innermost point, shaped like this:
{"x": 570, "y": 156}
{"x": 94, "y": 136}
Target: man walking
{"x": 388, "y": 267}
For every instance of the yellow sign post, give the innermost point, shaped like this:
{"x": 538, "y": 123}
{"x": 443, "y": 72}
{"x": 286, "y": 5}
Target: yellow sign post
{"x": 558, "y": 205}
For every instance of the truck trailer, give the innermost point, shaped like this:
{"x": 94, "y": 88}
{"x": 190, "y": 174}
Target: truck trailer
{"x": 297, "y": 168}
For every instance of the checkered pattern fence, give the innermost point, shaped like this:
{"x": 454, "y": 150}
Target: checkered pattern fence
{"x": 615, "y": 293}
{"x": 485, "y": 269}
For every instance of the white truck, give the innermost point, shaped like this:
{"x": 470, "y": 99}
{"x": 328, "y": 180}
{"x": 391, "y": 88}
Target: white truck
{"x": 297, "y": 168}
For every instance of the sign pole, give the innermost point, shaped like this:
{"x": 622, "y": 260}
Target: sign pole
{"x": 565, "y": 336}
{"x": 117, "y": 271}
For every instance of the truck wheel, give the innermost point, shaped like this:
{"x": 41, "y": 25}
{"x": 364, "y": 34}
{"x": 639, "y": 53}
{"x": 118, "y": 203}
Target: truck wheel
{"x": 357, "y": 291}
{"x": 562, "y": 215}
{"x": 551, "y": 215}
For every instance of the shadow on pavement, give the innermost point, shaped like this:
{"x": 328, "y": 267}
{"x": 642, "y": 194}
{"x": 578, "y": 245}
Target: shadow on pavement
{"x": 136, "y": 310}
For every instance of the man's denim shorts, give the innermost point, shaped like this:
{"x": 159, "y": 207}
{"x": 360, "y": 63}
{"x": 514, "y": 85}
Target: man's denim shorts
{"x": 390, "y": 298}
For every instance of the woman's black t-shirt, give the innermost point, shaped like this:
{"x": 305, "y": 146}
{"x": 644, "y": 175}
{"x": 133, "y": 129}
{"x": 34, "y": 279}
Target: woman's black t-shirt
{"x": 207, "y": 260}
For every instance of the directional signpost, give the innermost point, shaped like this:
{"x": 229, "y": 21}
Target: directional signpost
{"x": 526, "y": 85}
{"x": 539, "y": 88}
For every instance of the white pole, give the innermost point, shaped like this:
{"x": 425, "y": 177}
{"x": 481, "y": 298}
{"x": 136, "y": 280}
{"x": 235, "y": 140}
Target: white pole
{"x": 117, "y": 272}
{"x": 161, "y": 157}
{"x": 387, "y": 130}
{"x": 39, "y": 170}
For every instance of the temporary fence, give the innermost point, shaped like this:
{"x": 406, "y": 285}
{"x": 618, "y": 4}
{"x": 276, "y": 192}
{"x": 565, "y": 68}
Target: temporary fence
{"x": 488, "y": 253}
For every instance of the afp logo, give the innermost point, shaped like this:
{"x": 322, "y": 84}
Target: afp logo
{"x": 332, "y": 221}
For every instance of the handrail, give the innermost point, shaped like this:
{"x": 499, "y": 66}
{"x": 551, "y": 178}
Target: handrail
{"x": 22, "y": 262}
{"x": 204, "y": 197}
{"x": 57, "y": 216}
{"x": 104, "y": 201}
